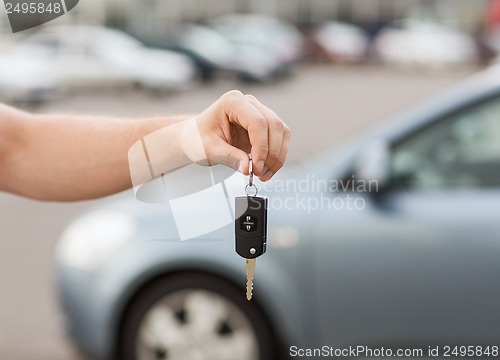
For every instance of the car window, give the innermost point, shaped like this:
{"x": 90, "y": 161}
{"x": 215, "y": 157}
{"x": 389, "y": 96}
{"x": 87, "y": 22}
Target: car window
{"x": 459, "y": 151}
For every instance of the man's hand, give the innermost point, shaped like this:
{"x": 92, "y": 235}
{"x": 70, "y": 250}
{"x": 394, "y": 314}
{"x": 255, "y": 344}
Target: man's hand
{"x": 66, "y": 158}
{"x": 237, "y": 125}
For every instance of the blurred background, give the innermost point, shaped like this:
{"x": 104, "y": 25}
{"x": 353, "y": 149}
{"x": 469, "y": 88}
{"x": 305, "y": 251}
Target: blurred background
{"x": 329, "y": 68}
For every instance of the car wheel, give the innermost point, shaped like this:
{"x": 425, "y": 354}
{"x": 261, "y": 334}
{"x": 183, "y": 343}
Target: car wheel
{"x": 195, "y": 316}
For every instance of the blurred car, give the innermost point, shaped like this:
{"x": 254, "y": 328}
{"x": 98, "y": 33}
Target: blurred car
{"x": 390, "y": 241}
{"x": 209, "y": 50}
{"x": 492, "y": 39}
{"x": 83, "y": 56}
{"x": 424, "y": 44}
{"x": 215, "y": 53}
{"x": 265, "y": 47}
{"x": 339, "y": 42}
{"x": 24, "y": 80}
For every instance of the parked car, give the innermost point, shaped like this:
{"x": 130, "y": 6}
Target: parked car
{"x": 255, "y": 48}
{"x": 210, "y": 51}
{"x": 24, "y": 80}
{"x": 83, "y": 56}
{"x": 424, "y": 44}
{"x": 265, "y": 46}
{"x": 339, "y": 42}
{"x": 410, "y": 259}
{"x": 216, "y": 53}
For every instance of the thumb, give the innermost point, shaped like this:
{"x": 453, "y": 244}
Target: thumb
{"x": 230, "y": 156}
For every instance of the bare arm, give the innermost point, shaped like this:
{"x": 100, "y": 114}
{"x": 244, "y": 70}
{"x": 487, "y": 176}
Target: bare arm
{"x": 65, "y": 158}
{"x": 57, "y": 157}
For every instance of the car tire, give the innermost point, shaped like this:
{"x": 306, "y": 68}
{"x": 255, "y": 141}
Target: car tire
{"x": 176, "y": 294}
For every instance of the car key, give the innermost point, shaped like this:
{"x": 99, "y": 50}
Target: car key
{"x": 250, "y": 229}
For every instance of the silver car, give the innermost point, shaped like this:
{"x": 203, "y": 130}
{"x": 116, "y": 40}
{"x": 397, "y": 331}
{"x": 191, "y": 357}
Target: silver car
{"x": 392, "y": 241}
{"x": 51, "y": 62}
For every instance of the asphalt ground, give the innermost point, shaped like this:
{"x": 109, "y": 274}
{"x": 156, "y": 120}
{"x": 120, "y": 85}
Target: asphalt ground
{"x": 324, "y": 105}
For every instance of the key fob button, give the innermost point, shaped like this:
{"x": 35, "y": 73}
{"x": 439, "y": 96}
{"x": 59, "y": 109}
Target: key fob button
{"x": 248, "y": 223}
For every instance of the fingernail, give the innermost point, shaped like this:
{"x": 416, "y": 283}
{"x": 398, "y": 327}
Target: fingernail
{"x": 260, "y": 166}
{"x": 267, "y": 175}
{"x": 239, "y": 166}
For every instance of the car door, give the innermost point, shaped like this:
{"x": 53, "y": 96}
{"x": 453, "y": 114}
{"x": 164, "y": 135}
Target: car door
{"x": 419, "y": 264}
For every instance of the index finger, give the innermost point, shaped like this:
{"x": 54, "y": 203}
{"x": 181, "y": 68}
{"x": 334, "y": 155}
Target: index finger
{"x": 279, "y": 137}
{"x": 240, "y": 110}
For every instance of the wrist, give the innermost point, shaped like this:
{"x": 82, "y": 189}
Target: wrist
{"x": 190, "y": 141}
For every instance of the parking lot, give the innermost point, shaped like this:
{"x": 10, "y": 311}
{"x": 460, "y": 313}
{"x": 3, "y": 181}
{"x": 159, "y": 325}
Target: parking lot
{"x": 324, "y": 106}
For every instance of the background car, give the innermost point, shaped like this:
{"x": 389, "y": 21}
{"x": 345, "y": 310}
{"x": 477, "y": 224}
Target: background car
{"x": 210, "y": 51}
{"x": 410, "y": 263}
{"x": 425, "y": 44}
{"x": 215, "y": 54}
{"x": 86, "y": 56}
{"x": 339, "y": 42}
{"x": 24, "y": 80}
{"x": 266, "y": 47}
{"x": 216, "y": 50}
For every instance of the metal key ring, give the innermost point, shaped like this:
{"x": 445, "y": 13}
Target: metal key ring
{"x": 250, "y": 181}
{"x": 255, "y": 187}
{"x": 250, "y": 172}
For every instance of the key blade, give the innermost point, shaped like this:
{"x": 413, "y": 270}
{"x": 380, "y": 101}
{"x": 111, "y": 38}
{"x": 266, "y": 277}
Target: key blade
{"x": 249, "y": 290}
{"x": 250, "y": 270}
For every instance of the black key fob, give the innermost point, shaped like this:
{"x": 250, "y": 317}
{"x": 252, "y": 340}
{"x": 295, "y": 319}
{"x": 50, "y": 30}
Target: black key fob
{"x": 251, "y": 226}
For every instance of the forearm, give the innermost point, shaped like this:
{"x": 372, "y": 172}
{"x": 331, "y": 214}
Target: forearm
{"x": 64, "y": 158}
